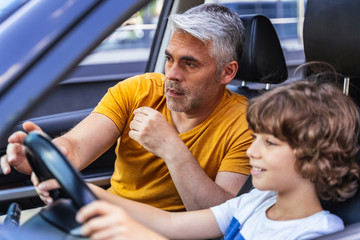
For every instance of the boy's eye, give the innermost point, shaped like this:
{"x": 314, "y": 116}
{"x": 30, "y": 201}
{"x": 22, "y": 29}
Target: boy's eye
{"x": 270, "y": 142}
{"x": 253, "y": 136}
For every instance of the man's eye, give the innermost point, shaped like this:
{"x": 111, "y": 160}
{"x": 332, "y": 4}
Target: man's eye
{"x": 189, "y": 64}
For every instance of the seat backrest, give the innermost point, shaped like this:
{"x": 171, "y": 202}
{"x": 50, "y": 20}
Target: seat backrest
{"x": 262, "y": 59}
{"x": 332, "y": 35}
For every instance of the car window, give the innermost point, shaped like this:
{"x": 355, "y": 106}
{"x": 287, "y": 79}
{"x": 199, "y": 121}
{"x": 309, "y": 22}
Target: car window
{"x": 287, "y": 17}
{"x": 131, "y": 42}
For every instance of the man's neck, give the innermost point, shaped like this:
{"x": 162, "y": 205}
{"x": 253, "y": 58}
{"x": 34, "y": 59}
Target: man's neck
{"x": 185, "y": 121}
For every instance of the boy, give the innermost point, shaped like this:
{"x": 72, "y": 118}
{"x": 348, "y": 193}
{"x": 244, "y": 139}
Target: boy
{"x": 304, "y": 149}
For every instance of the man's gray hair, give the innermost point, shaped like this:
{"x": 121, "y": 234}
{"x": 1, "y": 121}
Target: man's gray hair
{"x": 214, "y": 24}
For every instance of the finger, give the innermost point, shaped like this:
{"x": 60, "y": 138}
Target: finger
{"x": 144, "y": 110}
{"x": 44, "y": 195}
{"x": 99, "y": 230}
{"x": 30, "y": 126}
{"x": 5, "y": 166}
{"x": 93, "y": 209}
{"x": 34, "y": 179}
{"x": 15, "y": 153}
{"x": 135, "y": 125}
{"x": 139, "y": 117}
{"x": 134, "y": 135}
{"x": 17, "y": 137}
{"x": 98, "y": 227}
{"x": 48, "y": 185}
{"x": 108, "y": 222}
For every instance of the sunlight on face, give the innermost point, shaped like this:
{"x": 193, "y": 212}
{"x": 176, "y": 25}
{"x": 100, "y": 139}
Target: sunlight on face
{"x": 191, "y": 80}
{"x": 273, "y": 164}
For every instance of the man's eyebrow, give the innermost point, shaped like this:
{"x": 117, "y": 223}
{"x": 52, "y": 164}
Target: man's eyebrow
{"x": 187, "y": 58}
{"x": 167, "y": 52}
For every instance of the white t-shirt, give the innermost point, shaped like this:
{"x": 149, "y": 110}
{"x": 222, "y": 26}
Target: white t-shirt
{"x": 245, "y": 217}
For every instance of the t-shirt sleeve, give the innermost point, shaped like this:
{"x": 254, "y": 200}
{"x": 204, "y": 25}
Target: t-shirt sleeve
{"x": 121, "y": 100}
{"x": 236, "y": 159}
{"x": 240, "y": 207}
{"x": 116, "y": 103}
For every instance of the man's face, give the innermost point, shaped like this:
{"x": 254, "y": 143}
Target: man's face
{"x": 192, "y": 82}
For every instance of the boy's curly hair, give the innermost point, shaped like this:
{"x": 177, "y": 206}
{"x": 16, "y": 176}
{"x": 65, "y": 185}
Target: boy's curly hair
{"x": 321, "y": 125}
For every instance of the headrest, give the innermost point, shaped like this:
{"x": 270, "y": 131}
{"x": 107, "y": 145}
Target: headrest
{"x": 262, "y": 59}
{"x": 332, "y": 34}
{"x": 348, "y": 210}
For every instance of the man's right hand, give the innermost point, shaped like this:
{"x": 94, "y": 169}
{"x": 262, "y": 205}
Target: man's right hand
{"x": 16, "y": 157}
{"x": 43, "y": 188}
{"x": 15, "y": 151}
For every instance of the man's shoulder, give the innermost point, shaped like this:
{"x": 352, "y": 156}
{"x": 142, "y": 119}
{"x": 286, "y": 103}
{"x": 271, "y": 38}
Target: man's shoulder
{"x": 157, "y": 78}
{"x": 146, "y": 81}
{"x": 232, "y": 104}
{"x": 235, "y": 98}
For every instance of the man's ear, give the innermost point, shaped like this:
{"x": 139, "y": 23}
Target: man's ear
{"x": 228, "y": 72}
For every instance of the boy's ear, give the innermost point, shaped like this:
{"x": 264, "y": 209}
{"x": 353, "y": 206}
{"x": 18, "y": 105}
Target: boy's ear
{"x": 228, "y": 72}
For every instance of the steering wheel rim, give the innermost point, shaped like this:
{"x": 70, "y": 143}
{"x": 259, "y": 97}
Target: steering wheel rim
{"x": 56, "y": 163}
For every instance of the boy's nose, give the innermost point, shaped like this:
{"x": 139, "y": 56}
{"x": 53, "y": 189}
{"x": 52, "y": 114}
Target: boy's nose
{"x": 253, "y": 151}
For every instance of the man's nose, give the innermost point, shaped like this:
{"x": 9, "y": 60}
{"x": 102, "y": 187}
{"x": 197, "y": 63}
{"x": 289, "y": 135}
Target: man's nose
{"x": 173, "y": 72}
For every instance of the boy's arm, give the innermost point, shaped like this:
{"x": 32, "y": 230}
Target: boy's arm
{"x": 185, "y": 225}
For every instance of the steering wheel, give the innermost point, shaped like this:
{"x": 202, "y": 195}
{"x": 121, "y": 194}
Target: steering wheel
{"x": 47, "y": 161}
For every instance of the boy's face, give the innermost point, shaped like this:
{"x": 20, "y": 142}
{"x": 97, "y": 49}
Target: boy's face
{"x": 191, "y": 83}
{"x": 273, "y": 165}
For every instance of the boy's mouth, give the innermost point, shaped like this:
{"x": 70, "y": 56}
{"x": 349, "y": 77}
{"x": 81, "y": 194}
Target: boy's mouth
{"x": 257, "y": 169}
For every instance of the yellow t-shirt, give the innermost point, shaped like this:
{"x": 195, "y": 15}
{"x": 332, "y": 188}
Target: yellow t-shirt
{"x": 219, "y": 143}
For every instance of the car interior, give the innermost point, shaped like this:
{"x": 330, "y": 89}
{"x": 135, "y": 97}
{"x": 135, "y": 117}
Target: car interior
{"x": 263, "y": 63}
{"x": 337, "y": 46}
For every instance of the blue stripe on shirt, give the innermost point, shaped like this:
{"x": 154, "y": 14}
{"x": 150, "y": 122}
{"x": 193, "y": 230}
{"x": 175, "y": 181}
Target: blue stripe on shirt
{"x": 233, "y": 231}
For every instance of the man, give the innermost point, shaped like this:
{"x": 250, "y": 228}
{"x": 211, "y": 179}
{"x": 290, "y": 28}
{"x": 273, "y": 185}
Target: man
{"x": 182, "y": 137}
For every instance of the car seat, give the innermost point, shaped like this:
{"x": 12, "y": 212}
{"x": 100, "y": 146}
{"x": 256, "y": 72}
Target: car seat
{"x": 332, "y": 35}
{"x": 262, "y": 59}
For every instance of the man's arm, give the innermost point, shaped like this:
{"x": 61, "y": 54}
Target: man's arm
{"x": 82, "y": 145}
{"x": 196, "y": 189}
{"x": 89, "y": 139}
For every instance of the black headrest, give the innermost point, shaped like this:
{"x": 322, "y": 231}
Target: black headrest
{"x": 348, "y": 210}
{"x": 262, "y": 59}
{"x": 332, "y": 34}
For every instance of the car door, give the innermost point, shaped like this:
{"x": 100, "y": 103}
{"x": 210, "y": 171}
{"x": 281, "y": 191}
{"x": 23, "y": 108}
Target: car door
{"x": 56, "y": 95}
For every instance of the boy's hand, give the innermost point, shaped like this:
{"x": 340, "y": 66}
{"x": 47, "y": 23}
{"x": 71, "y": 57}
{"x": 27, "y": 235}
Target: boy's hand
{"x": 103, "y": 220}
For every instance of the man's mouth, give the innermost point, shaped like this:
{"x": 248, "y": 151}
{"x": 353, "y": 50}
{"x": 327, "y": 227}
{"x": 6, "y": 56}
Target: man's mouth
{"x": 173, "y": 91}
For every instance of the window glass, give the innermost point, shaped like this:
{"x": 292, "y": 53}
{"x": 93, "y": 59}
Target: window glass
{"x": 132, "y": 41}
{"x": 286, "y": 16}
